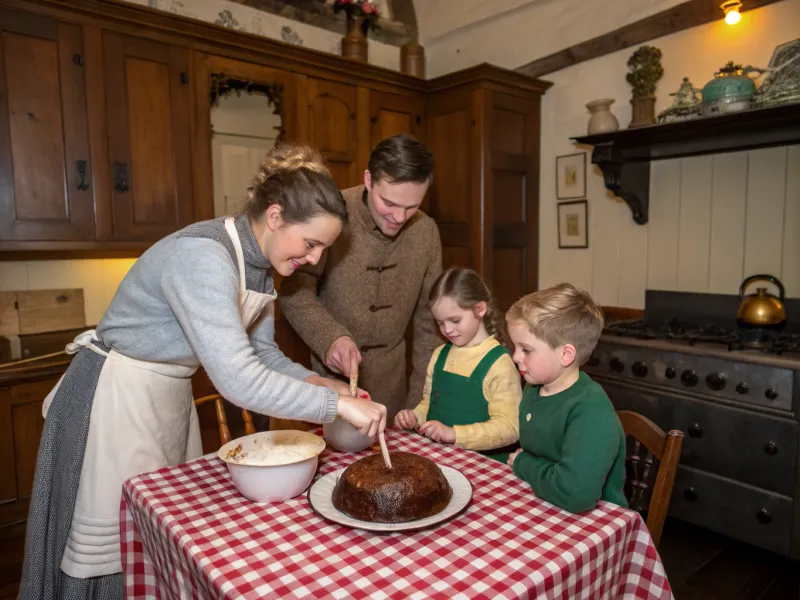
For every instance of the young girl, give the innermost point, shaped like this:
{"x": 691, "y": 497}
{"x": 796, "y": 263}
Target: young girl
{"x": 472, "y": 391}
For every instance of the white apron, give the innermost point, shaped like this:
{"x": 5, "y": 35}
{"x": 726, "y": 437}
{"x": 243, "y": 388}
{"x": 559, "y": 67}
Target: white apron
{"x": 143, "y": 418}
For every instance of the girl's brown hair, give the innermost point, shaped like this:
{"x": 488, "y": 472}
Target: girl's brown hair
{"x": 294, "y": 177}
{"x": 467, "y": 288}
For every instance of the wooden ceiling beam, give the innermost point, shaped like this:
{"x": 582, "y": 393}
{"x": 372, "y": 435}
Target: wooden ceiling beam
{"x": 682, "y": 16}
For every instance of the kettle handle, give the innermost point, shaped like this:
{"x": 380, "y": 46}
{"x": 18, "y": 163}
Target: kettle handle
{"x": 770, "y": 278}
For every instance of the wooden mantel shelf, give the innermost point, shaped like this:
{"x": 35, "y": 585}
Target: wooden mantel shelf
{"x": 624, "y": 156}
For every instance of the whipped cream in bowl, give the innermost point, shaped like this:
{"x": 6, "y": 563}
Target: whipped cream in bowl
{"x": 272, "y": 466}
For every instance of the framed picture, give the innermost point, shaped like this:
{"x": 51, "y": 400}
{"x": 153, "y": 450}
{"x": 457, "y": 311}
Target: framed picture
{"x": 571, "y": 176}
{"x": 573, "y": 224}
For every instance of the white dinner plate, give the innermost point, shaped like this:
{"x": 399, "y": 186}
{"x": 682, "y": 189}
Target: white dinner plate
{"x": 321, "y": 498}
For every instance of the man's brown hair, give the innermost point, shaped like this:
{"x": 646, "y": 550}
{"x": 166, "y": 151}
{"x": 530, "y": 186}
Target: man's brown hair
{"x": 400, "y": 159}
{"x": 561, "y": 315}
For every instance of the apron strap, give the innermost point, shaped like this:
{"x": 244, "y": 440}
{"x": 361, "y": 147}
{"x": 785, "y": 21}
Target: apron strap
{"x": 492, "y": 356}
{"x": 237, "y": 246}
{"x": 442, "y": 359}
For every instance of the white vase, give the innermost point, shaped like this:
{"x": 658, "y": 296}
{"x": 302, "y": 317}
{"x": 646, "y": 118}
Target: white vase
{"x": 602, "y": 119}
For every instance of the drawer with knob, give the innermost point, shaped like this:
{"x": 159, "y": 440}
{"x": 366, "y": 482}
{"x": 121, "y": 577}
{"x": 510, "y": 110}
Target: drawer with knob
{"x": 744, "y": 512}
{"x": 753, "y": 448}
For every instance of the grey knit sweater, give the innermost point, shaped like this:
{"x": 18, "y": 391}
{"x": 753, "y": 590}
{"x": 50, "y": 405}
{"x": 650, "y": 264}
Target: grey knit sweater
{"x": 179, "y": 304}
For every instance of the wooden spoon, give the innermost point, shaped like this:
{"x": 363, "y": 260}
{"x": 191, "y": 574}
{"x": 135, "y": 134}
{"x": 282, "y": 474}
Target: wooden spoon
{"x": 353, "y": 392}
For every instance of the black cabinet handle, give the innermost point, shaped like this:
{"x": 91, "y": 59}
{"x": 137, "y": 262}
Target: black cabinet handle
{"x": 121, "y": 177}
{"x": 690, "y": 494}
{"x": 616, "y": 365}
{"x": 77, "y": 59}
{"x": 742, "y": 388}
{"x": 764, "y": 517}
{"x": 771, "y": 394}
{"x": 670, "y": 373}
{"x": 696, "y": 431}
{"x": 83, "y": 171}
{"x": 771, "y": 448}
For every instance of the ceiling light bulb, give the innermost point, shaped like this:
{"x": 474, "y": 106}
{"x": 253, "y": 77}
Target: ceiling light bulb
{"x": 733, "y": 17}
{"x": 731, "y": 9}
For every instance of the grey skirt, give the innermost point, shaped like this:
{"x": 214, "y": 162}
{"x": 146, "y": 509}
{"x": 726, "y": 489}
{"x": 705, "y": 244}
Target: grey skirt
{"x": 55, "y": 490}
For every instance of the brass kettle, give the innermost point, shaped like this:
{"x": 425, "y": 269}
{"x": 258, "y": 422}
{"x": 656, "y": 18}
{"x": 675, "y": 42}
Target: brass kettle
{"x": 761, "y": 309}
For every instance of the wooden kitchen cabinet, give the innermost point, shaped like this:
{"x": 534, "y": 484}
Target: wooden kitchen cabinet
{"x": 393, "y": 114}
{"x": 149, "y": 136}
{"x": 21, "y": 425}
{"x": 45, "y": 170}
{"x": 483, "y": 130}
{"x": 333, "y": 128}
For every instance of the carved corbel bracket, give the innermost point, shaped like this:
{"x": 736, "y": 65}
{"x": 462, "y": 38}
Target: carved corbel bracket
{"x": 630, "y": 180}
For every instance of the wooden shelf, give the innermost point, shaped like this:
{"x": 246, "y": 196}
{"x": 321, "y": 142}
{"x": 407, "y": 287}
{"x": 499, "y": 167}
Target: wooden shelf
{"x": 624, "y": 156}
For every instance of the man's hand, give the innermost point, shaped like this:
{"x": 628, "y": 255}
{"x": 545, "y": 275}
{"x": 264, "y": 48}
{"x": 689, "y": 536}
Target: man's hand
{"x": 338, "y": 356}
{"x": 438, "y": 432}
{"x": 337, "y": 386}
{"x": 406, "y": 419}
{"x": 366, "y": 416}
{"x": 512, "y": 456}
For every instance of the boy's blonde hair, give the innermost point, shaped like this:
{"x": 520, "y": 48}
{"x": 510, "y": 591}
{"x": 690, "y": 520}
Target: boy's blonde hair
{"x": 560, "y": 315}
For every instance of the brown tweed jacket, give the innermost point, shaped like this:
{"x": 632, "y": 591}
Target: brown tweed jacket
{"x": 369, "y": 287}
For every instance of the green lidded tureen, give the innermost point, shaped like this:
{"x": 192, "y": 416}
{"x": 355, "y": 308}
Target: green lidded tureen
{"x": 731, "y": 89}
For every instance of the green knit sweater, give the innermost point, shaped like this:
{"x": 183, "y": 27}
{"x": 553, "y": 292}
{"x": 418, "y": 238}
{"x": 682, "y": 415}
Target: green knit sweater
{"x": 573, "y": 446}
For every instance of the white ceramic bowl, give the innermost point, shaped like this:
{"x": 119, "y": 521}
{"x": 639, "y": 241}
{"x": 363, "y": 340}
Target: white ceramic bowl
{"x": 272, "y": 466}
{"x": 341, "y": 435}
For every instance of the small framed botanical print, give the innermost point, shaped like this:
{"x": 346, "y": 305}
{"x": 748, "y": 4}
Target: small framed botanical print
{"x": 573, "y": 224}
{"x": 571, "y": 176}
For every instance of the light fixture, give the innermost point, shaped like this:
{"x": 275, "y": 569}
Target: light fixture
{"x": 731, "y": 10}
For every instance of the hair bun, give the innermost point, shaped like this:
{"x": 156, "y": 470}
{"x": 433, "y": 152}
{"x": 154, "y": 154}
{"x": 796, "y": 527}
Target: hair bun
{"x": 286, "y": 158}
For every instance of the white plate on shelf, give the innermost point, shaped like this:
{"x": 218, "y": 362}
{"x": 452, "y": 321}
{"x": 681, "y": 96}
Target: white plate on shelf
{"x": 321, "y": 498}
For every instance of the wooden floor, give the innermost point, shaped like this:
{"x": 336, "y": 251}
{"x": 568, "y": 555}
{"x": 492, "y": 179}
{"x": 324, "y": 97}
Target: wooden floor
{"x": 700, "y": 565}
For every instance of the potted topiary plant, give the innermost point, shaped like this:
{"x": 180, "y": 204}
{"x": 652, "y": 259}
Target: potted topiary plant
{"x": 644, "y": 71}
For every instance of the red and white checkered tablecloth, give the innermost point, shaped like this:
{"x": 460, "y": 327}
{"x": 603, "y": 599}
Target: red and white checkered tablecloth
{"x": 187, "y": 533}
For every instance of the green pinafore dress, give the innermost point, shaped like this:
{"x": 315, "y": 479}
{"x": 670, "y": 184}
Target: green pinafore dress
{"x": 458, "y": 400}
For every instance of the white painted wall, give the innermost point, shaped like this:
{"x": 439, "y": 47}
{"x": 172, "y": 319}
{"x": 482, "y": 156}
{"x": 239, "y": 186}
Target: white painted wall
{"x": 251, "y": 20}
{"x": 713, "y": 219}
{"x": 512, "y": 33}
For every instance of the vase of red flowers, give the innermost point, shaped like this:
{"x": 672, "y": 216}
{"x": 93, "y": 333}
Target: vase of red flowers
{"x": 362, "y": 16}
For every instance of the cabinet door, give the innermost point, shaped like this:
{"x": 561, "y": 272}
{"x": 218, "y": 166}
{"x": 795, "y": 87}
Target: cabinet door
{"x": 332, "y": 129}
{"x": 450, "y": 133}
{"x": 392, "y": 114}
{"x": 44, "y": 140}
{"x": 149, "y": 137}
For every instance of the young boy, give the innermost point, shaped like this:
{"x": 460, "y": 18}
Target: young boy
{"x": 573, "y": 446}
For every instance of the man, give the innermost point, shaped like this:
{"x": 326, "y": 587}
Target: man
{"x": 360, "y": 298}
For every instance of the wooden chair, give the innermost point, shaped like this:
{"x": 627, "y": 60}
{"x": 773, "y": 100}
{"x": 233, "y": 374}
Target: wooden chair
{"x": 222, "y": 420}
{"x": 640, "y": 465}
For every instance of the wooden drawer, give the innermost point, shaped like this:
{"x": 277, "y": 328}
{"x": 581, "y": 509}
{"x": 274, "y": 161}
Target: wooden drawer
{"x": 743, "y": 512}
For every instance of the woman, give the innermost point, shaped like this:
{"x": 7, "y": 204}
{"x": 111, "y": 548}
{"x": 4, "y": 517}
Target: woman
{"x": 202, "y": 296}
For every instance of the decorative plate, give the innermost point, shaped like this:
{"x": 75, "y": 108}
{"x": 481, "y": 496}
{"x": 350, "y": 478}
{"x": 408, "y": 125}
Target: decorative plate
{"x": 320, "y": 496}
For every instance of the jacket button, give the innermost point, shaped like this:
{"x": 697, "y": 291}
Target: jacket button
{"x": 528, "y": 417}
{"x": 373, "y": 308}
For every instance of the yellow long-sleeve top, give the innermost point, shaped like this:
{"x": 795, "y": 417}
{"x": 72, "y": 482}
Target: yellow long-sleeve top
{"x": 501, "y": 388}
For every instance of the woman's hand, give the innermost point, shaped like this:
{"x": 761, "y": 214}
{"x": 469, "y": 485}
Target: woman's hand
{"x": 438, "y": 432}
{"x": 406, "y": 419}
{"x": 337, "y": 386}
{"x": 337, "y": 358}
{"x": 512, "y": 456}
{"x": 365, "y": 415}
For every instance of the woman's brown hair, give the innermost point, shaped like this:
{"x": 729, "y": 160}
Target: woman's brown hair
{"x": 294, "y": 177}
{"x": 467, "y": 288}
